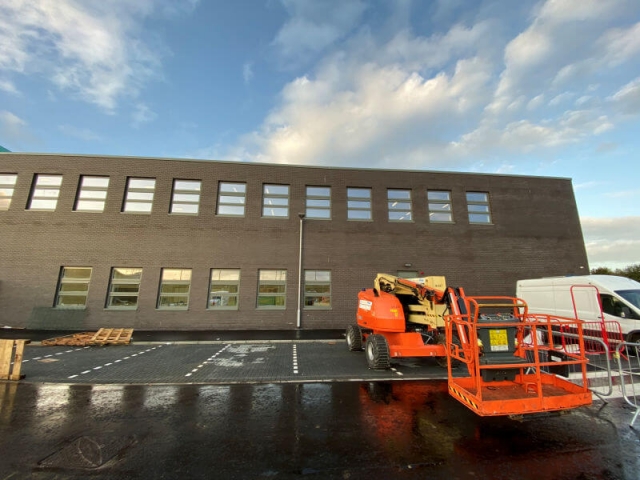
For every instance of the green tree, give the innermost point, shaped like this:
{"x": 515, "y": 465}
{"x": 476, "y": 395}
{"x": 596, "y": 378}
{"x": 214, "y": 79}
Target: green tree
{"x": 632, "y": 271}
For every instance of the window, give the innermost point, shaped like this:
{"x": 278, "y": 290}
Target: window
{"x": 7, "y": 185}
{"x": 45, "y": 192}
{"x": 359, "y": 203}
{"x": 186, "y": 197}
{"x": 73, "y": 287}
{"x": 275, "y": 201}
{"x": 139, "y": 196}
{"x": 408, "y": 274}
{"x": 478, "y": 207}
{"x": 439, "y": 206}
{"x": 124, "y": 288}
{"x": 231, "y": 199}
{"x": 272, "y": 288}
{"x": 399, "y": 202}
{"x": 318, "y": 203}
{"x": 92, "y": 194}
{"x": 223, "y": 289}
{"x": 317, "y": 289}
{"x": 175, "y": 285}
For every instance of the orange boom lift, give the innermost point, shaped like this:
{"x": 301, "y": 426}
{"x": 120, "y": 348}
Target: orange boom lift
{"x": 512, "y": 361}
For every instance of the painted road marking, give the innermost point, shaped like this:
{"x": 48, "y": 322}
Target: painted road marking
{"x": 59, "y": 353}
{"x": 295, "y": 359}
{"x": 115, "y": 361}
{"x": 396, "y": 372}
{"x": 210, "y": 359}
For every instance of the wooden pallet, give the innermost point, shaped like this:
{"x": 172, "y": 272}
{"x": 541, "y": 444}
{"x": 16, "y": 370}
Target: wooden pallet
{"x": 11, "y": 359}
{"x": 112, "y": 336}
{"x": 104, "y": 336}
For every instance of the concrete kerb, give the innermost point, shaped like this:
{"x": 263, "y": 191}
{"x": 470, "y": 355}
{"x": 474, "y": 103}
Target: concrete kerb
{"x": 211, "y": 342}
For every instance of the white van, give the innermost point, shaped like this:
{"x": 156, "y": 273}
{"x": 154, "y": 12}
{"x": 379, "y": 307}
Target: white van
{"x": 587, "y": 297}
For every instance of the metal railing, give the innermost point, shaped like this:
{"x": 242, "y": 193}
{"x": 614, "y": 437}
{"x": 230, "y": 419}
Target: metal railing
{"x": 628, "y": 357}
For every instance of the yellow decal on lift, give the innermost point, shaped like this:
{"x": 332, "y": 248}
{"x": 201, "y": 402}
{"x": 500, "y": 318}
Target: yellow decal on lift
{"x": 394, "y": 311}
{"x": 498, "y": 340}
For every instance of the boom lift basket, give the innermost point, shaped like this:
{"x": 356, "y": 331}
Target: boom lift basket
{"x": 509, "y": 358}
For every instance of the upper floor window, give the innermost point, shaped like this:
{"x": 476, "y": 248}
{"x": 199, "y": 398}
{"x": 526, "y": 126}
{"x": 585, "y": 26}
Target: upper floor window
{"x": 224, "y": 288}
{"x": 92, "y": 194}
{"x": 231, "y": 199}
{"x": 318, "y": 203}
{"x": 186, "y": 197}
{"x": 272, "y": 288}
{"x": 359, "y": 204}
{"x": 45, "y": 192}
{"x": 439, "y": 206}
{"x": 139, "y": 196}
{"x": 124, "y": 288}
{"x": 478, "y": 207}
{"x": 317, "y": 289}
{"x": 275, "y": 201}
{"x": 399, "y": 202}
{"x": 7, "y": 185}
{"x": 73, "y": 287}
{"x": 175, "y": 285}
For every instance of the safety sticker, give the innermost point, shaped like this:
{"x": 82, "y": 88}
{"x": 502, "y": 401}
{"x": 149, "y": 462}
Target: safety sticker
{"x": 498, "y": 340}
{"x": 365, "y": 305}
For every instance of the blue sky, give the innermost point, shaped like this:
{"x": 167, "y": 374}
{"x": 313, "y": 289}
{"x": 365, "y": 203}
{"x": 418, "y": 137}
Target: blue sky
{"x": 493, "y": 86}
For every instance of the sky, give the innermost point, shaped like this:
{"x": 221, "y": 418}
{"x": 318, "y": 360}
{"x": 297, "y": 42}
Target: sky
{"x": 545, "y": 88}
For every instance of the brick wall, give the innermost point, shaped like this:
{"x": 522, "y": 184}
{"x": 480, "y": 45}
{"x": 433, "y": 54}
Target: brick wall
{"x": 535, "y": 232}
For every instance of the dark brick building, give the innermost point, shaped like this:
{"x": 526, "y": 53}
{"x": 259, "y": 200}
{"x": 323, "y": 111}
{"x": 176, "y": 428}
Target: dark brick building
{"x": 145, "y": 243}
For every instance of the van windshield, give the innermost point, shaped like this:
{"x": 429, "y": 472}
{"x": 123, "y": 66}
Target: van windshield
{"x": 631, "y": 296}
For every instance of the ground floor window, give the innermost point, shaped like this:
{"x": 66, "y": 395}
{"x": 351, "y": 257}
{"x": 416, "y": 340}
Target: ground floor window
{"x": 73, "y": 287}
{"x": 272, "y": 289}
{"x": 223, "y": 289}
{"x": 124, "y": 288}
{"x": 317, "y": 289}
{"x": 175, "y": 285}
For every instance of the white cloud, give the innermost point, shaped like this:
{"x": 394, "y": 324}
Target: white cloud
{"x": 613, "y": 242}
{"x": 314, "y": 26}
{"x": 91, "y": 50}
{"x": 81, "y": 133}
{"x": 13, "y": 128}
{"x": 627, "y": 99}
{"x": 9, "y": 87}
{"x": 247, "y": 72}
{"x": 142, "y": 114}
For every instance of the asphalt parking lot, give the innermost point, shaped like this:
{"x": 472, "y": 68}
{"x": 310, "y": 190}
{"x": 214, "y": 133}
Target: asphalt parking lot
{"x": 216, "y": 362}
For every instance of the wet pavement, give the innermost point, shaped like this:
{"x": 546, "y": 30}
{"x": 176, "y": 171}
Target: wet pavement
{"x": 211, "y": 407}
{"x": 337, "y": 430}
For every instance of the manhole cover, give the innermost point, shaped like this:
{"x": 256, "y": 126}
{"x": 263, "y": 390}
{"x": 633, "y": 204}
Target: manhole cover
{"x": 86, "y": 453}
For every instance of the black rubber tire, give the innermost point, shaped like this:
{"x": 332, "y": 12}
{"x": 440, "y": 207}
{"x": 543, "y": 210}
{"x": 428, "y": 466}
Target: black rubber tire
{"x": 377, "y": 352}
{"x": 354, "y": 338}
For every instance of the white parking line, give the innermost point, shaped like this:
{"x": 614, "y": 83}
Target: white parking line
{"x": 295, "y": 359}
{"x": 115, "y": 361}
{"x": 206, "y": 362}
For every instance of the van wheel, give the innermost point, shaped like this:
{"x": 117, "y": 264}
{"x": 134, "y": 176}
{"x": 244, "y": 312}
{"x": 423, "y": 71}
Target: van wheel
{"x": 354, "y": 338}
{"x": 377, "y": 350}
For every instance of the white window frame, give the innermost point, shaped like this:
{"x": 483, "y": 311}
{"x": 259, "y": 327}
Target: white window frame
{"x": 399, "y": 204}
{"x": 140, "y": 193}
{"x": 67, "y": 280}
{"x": 185, "y": 198}
{"x": 275, "y": 201}
{"x": 231, "y": 196}
{"x": 184, "y": 279}
{"x": 225, "y": 299}
{"x": 318, "y": 203}
{"x": 311, "y": 279}
{"x": 7, "y": 188}
{"x": 92, "y": 194}
{"x": 358, "y": 203}
{"x": 117, "y": 281}
{"x": 479, "y": 208}
{"x": 279, "y": 280}
{"x": 440, "y": 206}
{"x": 46, "y": 190}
